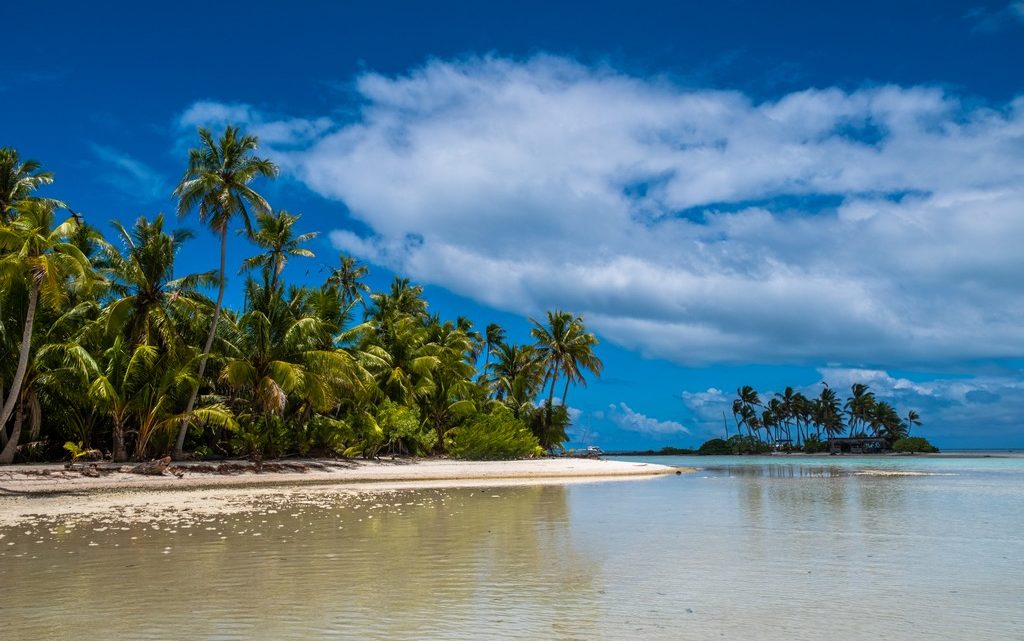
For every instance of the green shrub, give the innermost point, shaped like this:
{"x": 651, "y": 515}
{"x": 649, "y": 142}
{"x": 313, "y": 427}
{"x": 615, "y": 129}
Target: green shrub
{"x": 494, "y": 436}
{"x": 813, "y": 445}
{"x": 715, "y": 446}
{"x": 914, "y": 444}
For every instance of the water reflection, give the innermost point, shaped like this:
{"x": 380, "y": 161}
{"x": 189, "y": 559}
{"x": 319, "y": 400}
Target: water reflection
{"x": 771, "y": 552}
{"x": 400, "y": 565}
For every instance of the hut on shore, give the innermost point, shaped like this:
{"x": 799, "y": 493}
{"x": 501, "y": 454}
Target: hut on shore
{"x": 857, "y": 445}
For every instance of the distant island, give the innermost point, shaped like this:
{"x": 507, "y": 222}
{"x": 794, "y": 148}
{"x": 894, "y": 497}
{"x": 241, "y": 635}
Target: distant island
{"x": 791, "y": 422}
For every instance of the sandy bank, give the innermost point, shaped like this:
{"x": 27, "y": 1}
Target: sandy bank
{"x": 49, "y": 479}
{"x": 46, "y": 493}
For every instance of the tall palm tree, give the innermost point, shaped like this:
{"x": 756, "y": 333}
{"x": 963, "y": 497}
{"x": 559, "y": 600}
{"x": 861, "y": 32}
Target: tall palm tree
{"x": 516, "y": 375}
{"x": 348, "y": 277}
{"x": 18, "y": 180}
{"x": 277, "y": 236}
{"x": 217, "y": 183}
{"x": 566, "y": 348}
{"x": 38, "y": 255}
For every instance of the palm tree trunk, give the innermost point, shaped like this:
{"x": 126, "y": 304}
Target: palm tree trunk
{"x": 554, "y": 379}
{"x": 19, "y": 374}
{"x": 119, "y": 455}
{"x": 7, "y": 455}
{"x": 566, "y": 392}
{"x": 179, "y": 444}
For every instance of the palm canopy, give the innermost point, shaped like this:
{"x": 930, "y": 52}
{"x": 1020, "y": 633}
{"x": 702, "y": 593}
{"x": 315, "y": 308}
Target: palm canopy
{"x": 347, "y": 277}
{"x": 149, "y": 304}
{"x": 218, "y": 176}
{"x": 19, "y": 179}
{"x": 566, "y": 348}
{"x": 276, "y": 235}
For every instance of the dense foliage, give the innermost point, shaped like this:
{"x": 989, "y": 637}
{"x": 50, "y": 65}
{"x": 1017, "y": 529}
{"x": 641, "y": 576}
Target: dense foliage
{"x": 106, "y": 345}
{"x": 791, "y": 421}
{"x": 914, "y": 444}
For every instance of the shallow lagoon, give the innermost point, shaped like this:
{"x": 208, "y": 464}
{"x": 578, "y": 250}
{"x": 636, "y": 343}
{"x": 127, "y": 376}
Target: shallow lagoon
{"x": 754, "y": 548}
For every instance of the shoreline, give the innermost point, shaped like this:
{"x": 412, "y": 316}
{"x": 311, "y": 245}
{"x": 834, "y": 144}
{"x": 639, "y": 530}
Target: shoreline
{"x": 34, "y": 480}
{"x": 47, "y": 493}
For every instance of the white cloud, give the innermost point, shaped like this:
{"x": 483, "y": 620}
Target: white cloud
{"x": 880, "y": 226}
{"x": 272, "y": 131}
{"x": 130, "y": 176}
{"x": 625, "y": 418}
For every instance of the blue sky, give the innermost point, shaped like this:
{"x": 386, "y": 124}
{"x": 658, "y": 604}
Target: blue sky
{"x": 744, "y": 193}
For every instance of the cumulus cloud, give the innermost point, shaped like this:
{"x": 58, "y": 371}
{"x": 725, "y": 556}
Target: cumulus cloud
{"x": 625, "y": 418}
{"x": 878, "y": 226}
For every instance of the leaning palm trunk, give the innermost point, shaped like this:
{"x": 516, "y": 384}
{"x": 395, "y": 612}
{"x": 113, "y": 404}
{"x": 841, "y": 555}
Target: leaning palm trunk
{"x": 7, "y": 455}
{"x": 179, "y": 444}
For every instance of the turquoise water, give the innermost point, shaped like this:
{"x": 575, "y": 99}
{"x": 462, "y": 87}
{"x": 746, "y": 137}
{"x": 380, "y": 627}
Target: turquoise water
{"x": 746, "y": 548}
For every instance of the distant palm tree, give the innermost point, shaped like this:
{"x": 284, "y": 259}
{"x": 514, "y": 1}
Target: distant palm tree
{"x": 912, "y": 419}
{"x": 217, "y": 184}
{"x": 859, "y": 407}
{"x": 348, "y": 278}
{"x": 277, "y": 237}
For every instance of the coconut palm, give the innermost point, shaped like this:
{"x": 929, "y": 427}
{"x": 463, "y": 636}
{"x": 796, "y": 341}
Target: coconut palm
{"x": 912, "y": 419}
{"x": 566, "y": 348}
{"x": 494, "y": 336}
{"x": 37, "y": 256}
{"x": 348, "y": 277}
{"x": 149, "y": 304}
{"x": 516, "y": 375}
{"x": 827, "y": 413}
{"x": 277, "y": 236}
{"x": 19, "y": 180}
{"x": 217, "y": 184}
{"x": 859, "y": 407}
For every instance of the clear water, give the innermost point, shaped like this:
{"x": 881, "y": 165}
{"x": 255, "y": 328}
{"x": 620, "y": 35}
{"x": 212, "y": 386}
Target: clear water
{"x": 747, "y": 548}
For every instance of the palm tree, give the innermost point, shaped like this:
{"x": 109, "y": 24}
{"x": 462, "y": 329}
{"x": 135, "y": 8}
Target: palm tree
{"x": 517, "y": 375}
{"x": 277, "y": 352}
{"x": 18, "y": 180}
{"x": 859, "y": 407}
{"x": 217, "y": 183}
{"x": 38, "y": 255}
{"x": 276, "y": 235}
{"x": 566, "y": 349}
{"x": 827, "y": 412}
{"x": 348, "y": 278}
{"x": 494, "y": 336}
{"x": 912, "y": 419}
{"x": 150, "y": 305}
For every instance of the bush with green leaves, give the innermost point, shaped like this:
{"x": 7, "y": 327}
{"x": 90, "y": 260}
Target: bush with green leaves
{"x": 814, "y": 445}
{"x": 495, "y": 436}
{"x": 915, "y": 444}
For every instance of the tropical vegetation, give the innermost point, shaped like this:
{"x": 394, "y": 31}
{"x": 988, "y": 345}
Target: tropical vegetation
{"x": 107, "y": 345}
{"x": 789, "y": 420}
